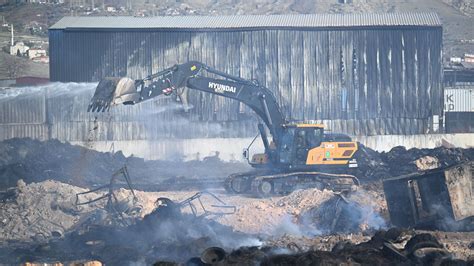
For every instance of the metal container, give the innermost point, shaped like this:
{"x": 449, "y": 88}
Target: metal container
{"x": 459, "y": 99}
{"x": 441, "y": 198}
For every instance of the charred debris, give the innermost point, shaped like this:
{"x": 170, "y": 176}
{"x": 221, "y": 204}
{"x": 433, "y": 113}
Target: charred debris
{"x": 106, "y": 223}
{"x": 34, "y": 160}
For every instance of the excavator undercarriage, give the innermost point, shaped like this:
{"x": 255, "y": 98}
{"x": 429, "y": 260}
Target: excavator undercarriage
{"x": 264, "y": 184}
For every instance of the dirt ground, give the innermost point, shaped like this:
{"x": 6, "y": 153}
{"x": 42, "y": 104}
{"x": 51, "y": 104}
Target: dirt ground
{"x": 457, "y": 16}
{"x": 41, "y": 210}
{"x": 274, "y": 216}
{"x": 42, "y": 219}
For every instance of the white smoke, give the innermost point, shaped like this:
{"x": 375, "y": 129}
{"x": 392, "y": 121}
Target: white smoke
{"x": 55, "y": 89}
{"x": 288, "y": 226}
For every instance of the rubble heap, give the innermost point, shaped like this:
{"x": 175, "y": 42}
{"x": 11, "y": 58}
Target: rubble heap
{"x": 39, "y": 211}
{"x": 62, "y": 234}
{"x": 399, "y": 161}
{"x": 392, "y": 247}
{"x": 294, "y": 213}
{"x": 165, "y": 233}
{"x": 35, "y": 161}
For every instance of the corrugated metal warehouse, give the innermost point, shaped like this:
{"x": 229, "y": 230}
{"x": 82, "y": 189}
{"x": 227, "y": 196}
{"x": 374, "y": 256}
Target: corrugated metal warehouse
{"x": 363, "y": 74}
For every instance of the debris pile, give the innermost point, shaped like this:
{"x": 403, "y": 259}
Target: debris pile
{"x": 165, "y": 233}
{"x": 399, "y": 161}
{"x": 39, "y": 211}
{"x": 390, "y": 247}
{"x": 357, "y": 212}
{"x": 42, "y": 221}
{"x": 35, "y": 161}
{"x": 279, "y": 216}
{"x": 271, "y": 229}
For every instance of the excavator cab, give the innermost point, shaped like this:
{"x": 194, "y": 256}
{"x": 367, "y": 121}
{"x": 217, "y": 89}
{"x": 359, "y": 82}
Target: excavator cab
{"x": 297, "y": 141}
{"x": 307, "y": 145}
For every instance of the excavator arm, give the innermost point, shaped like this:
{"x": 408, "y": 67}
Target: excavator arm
{"x": 112, "y": 91}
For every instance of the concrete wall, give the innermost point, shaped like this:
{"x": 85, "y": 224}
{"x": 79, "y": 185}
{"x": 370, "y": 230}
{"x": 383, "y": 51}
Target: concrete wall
{"x": 231, "y": 148}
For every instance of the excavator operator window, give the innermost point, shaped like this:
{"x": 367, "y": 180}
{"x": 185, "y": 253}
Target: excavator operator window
{"x": 314, "y": 137}
{"x": 305, "y": 140}
{"x": 301, "y": 139}
{"x": 287, "y": 145}
{"x": 308, "y": 138}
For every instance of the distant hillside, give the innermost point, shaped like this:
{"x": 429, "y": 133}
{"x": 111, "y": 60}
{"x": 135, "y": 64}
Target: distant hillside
{"x": 457, "y": 15}
{"x": 25, "y": 67}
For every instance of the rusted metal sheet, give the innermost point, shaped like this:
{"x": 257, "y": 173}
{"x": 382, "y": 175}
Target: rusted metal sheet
{"x": 459, "y": 183}
{"x": 441, "y": 198}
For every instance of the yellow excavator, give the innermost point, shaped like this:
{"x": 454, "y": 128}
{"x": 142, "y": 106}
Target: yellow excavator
{"x": 299, "y": 155}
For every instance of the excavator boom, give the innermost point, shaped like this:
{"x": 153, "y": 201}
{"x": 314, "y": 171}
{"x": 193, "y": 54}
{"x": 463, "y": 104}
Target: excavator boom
{"x": 112, "y": 91}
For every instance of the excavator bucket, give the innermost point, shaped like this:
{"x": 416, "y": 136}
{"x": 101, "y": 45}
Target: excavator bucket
{"x": 112, "y": 91}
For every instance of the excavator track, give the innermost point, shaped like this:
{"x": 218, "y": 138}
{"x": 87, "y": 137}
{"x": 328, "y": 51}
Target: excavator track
{"x": 264, "y": 184}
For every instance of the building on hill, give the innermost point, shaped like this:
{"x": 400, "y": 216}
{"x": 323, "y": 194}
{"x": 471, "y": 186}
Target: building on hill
{"x": 41, "y": 59}
{"x": 36, "y": 52}
{"x": 19, "y": 49}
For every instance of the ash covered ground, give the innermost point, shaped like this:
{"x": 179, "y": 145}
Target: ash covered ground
{"x": 41, "y": 221}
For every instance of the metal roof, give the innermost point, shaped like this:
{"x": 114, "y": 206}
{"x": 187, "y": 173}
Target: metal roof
{"x": 250, "y": 21}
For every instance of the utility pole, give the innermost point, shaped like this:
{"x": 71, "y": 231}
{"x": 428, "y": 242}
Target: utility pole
{"x": 13, "y": 41}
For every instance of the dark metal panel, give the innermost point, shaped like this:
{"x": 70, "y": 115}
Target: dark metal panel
{"x": 323, "y": 74}
{"x": 384, "y": 78}
{"x": 296, "y": 88}
{"x": 284, "y": 70}
{"x": 310, "y": 88}
{"x": 302, "y": 68}
{"x": 272, "y": 62}
{"x": 411, "y": 74}
{"x": 372, "y": 97}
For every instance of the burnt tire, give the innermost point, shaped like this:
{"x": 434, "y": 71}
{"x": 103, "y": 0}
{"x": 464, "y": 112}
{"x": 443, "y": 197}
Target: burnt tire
{"x": 421, "y": 241}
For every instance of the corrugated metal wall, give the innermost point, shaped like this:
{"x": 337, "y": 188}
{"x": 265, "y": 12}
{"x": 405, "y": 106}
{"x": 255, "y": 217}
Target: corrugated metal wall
{"x": 391, "y": 83}
{"x": 58, "y": 111}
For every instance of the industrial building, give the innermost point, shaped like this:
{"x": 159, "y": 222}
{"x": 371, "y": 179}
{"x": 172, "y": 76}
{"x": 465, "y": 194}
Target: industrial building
{"x": 362, "y": 74}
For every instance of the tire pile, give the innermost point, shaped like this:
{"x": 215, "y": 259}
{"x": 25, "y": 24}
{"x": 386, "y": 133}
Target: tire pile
{"x": 392, "y": 247}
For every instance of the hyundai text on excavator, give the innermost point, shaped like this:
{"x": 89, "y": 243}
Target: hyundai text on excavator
{"x": 300, "y": 155}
